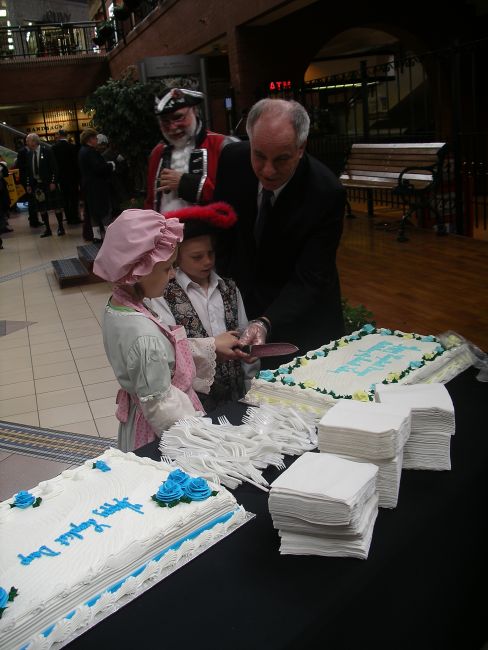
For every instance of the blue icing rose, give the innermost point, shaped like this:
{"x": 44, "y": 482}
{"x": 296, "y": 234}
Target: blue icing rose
{"x": 283, "y": 371}
{"x": 427, "y": 339}
{"x": 415, "y": 364}
{"x": 267, "y": 375}
{"x": 385, "y": 331}
{"x": 352, "y": 337}
{"x": 3, "y": 598}
{"x": 287, "y": 380}
{"x": 24, "y": 499}
{"x": 320, "y": 353}
{"x": 169, "y": 491}
{"x": 197, "y": 489}
{"x": 179, "y": 476}
{"x": 368, "y": 328}
{"x": 102, "y": 465}
{"x": 439, "y": 349}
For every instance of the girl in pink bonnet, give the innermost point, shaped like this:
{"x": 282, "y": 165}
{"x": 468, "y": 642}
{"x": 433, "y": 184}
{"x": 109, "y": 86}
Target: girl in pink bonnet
{"x": 157, "y": 367}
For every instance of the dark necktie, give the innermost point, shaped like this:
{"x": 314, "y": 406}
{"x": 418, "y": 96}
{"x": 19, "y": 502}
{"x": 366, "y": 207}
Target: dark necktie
{"x": 263, "y": 214}
{"x": 36, "y": 165}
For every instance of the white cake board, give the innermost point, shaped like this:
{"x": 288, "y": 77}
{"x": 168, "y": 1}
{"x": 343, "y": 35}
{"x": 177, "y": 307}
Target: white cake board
{"x": 148, "y": 584}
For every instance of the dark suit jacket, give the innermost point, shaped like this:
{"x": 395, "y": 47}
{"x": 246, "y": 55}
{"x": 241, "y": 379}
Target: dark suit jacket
{"x": 48, "y": 169}
{"x": 95, "y": 181}
{"x": 67, "y": 160}
{"x": 290, "y": 276}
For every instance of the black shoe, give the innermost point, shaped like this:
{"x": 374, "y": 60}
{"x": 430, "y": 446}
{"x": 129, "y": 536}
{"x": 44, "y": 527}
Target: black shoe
{"x": 36, "y": 224}
{"x": 1, "y": 244}
{"x": 47, "y": 233}
{"x": 6, "y": 229}
{"x": 61, "y": 231}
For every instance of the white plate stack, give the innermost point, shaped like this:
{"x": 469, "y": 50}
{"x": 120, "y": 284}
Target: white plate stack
{"x": 325, "y": 505}
{"x": 433, "y": 423}
{"x": 369, "y": 432}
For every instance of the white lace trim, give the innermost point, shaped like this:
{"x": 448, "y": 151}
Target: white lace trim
{"x": 203, "y": 352}
{"x": 160, "y": 395}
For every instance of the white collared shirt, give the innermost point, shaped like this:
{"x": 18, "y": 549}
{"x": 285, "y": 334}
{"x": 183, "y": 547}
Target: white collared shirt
{"x": 276, "y": 193}
{"x": 208, "y": 304}
{"x": 209, "y": 307}
{"x": 36, "y": 153}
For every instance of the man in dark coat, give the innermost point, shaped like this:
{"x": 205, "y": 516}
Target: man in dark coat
{"x": 21, "y": 164}
{"x": 95, "y": 183}
{"x": 67, "y": 159}
{"x": 42, "y": 182}
{"x": 282, "y": 251}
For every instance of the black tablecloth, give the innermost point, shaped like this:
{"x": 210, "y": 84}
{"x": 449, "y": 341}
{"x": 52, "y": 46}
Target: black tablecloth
{"x": 423, "y": 587}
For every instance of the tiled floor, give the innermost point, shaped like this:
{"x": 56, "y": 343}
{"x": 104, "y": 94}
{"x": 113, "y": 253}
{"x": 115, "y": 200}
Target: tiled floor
{"x": 53, "y": 373}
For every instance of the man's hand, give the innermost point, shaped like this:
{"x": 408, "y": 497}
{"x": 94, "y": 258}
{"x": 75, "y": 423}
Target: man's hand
{"x": 254, "y": 334}
{"x": 52, "y": 187}
{"x": 169, "y": 179}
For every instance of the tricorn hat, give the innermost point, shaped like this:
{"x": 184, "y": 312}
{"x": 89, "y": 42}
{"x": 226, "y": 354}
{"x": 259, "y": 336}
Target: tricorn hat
{"x": 172, "y": 99}
{"x": 200, "y": 220}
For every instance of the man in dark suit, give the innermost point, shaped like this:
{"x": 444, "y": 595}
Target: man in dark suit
{"x": 282, "y": 251}
{"x": 21, "y": 164}
{"x": 95, "y": 175}
{"x": 67, "y": 160}
{"x": 42, "y": 182}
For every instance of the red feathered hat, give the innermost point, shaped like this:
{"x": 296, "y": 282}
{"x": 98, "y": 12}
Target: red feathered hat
{"x": 202, "y": 220}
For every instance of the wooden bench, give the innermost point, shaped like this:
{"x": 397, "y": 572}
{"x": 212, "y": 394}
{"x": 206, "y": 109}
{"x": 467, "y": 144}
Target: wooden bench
{"x": 408, "y": 170}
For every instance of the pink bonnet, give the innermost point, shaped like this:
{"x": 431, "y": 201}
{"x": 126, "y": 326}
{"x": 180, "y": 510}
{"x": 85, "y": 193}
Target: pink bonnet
{"x": 134, "y": 243}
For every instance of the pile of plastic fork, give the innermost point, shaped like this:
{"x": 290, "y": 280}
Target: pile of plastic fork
{"x": 231, "y": 453}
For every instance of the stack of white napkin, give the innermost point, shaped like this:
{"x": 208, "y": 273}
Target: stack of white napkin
{"x": 372, "y": 433}
{"x": 433, "y": 423}
{"x": 325, "y": 505}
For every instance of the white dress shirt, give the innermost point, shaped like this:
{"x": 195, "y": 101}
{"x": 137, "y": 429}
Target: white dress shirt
{"x": 209, "y": 307}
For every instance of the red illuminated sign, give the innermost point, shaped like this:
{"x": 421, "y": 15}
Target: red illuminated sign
{"x": 279, "y": 85}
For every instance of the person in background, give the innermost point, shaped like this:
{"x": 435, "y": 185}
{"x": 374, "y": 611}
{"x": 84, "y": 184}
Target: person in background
{"x": 4, "y": 199}
{"x": 157, "y": 367}
{"x": 203, "y": 302}
{"x": 21, "y": 164}
{"x": 42, "y": 182}
{"x": 119, "y": 181}
{"x": 95, "y": 183}
{"x": 182, "y": 168}
{"x": 69, "y": 181}
{"x": 282, "y": 250}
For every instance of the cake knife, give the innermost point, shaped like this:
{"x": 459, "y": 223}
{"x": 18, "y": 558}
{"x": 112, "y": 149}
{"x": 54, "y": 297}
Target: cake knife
{"x": 270, "y": 349}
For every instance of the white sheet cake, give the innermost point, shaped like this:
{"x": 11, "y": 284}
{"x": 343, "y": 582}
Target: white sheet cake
{"x": 350, "y": 368}
{"x": 98, "y": 537}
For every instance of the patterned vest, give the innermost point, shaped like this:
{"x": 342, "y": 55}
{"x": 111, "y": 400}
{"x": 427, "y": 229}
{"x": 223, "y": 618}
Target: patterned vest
{"x": 229, "y": 380}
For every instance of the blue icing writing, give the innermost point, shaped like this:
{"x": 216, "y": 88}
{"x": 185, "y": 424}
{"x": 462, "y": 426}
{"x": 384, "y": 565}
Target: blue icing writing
{"x": 108, "y": 509}
{"x": 76, "y": 530}
{"x": 375, "y": 358}
{"x": 43, "y": 550}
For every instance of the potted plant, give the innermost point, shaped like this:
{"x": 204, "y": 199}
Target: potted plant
{"x": 121, "y": 12}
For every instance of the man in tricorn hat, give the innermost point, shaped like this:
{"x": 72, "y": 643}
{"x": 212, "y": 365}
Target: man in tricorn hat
{"x": 182, "y": 167}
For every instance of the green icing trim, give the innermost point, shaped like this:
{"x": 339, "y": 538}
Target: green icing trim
{"x": 343, "y": 342}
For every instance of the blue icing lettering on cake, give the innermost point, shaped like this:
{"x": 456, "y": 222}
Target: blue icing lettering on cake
{"x": 87, "y": 556}
{"x": 350, "y": 367}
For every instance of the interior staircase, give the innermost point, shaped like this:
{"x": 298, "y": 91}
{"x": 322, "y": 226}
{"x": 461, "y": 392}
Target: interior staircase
{"x": 77, "y": 270}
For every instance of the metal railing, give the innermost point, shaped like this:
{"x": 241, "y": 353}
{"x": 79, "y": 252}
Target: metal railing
{"x": 432, "y": 98}
{"x": 50, "y": 40}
